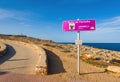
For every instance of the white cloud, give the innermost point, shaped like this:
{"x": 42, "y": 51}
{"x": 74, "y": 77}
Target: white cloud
{"x": 25, "y": 24}
{"x": 110, "y": 25}
{"x": 15, "y": 17}
{"x": 13, "y": 14}
{"x": 5, "y": 14}
{"x": 108, "y": 30}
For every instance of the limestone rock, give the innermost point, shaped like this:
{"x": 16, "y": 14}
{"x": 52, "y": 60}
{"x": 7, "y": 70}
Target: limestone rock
{"x": 87, "y": 56}
{"x": 41, "y": 67}
{"x": 41, "y": 70}
{"x": 115, "y": 69}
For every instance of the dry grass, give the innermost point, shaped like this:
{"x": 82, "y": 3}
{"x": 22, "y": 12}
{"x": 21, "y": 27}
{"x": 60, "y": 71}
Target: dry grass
{"x": 96, "y": 63}
{"x": 89, "y": 73}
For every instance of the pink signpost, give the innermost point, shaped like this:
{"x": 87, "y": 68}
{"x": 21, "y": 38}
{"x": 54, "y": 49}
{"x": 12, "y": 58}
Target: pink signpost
{"x": 77, "y": 26}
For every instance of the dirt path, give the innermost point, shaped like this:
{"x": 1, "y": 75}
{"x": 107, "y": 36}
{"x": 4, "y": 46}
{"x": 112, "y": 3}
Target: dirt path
{"x": 19, "y": 59}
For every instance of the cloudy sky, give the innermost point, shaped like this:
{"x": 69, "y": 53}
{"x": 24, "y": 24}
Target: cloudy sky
{"x": 43, "y": 19}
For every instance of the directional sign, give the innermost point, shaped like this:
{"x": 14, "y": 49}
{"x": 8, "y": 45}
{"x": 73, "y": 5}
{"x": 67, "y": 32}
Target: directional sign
{"x": 78, "y": 42}
{"x": 79, "y": 25}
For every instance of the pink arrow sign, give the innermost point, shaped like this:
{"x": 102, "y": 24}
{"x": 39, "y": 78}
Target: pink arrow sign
{"x": 79, "y": 25}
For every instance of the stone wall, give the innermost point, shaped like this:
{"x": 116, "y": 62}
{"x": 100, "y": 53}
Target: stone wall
{"x": 41, "y": 67}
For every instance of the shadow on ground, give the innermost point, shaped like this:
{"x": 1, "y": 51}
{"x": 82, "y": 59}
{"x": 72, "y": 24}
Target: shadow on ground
{"x": 55, "y": 65}
{"x": 2, "y": 73}
{"x": 14, "y": 68}
{"x": 10, "y": 53}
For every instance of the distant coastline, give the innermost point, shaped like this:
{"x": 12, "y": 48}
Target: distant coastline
{"x": 108, "y": 46}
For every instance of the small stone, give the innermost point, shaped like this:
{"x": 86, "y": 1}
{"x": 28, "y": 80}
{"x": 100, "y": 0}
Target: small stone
{"x": 108, "y": 61}
{"x": 115, "y": 69}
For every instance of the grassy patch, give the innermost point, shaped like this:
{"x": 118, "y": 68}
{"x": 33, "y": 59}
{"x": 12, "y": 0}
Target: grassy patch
{"x": 115, "y": 62}
{"x": 96, "y": 63}
{"x": 101, "y": 63}
{"x": 54, "y": 46}
{"x": 66, "y": 50}
{"x": 63, "y": 49}
{"x": 49, "y": 45}
{"x": 107, "y": 71}
{"x": 72, "y": 56}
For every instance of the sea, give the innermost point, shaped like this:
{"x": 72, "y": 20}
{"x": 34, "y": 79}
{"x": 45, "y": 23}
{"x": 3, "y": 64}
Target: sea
{"x": 108, "y": 46}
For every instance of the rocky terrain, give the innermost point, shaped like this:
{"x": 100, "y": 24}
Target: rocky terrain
{"x": 100, "y": 57}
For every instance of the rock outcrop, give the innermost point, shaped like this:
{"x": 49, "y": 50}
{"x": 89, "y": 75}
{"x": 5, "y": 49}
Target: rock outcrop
{"x": 87, "y": 56}
{"x": 115, "y": 69}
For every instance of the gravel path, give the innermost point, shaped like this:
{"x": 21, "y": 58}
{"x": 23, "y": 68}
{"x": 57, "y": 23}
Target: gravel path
{"x": 19, "y": 59}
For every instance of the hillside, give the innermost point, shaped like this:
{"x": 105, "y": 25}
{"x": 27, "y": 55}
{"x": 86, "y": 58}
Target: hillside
{"x": 62, "y": 61}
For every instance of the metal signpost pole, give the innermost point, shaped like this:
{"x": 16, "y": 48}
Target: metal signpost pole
{"x": 78, "y": 38}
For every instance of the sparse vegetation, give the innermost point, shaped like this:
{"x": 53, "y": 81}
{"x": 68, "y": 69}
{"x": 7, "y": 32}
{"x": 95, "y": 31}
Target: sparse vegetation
{"x": 96, "y": 63}
{"x": 50, "y": 45}
{"x": 107, "y": 71}
{"x": 54, "y": 45}
{"x": 66, "y": 51}
{"x": 24, "y": 38}
{"x": 59, "y": 46}
{"x": 72, "y": 55}
{"x": 115, "y": 62}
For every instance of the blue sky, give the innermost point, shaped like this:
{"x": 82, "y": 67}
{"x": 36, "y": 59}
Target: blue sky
{"x": 43, "y": 19}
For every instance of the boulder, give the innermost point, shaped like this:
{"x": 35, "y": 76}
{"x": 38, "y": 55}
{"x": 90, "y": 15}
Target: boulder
{"x": 87, "y": 56}
{"x": 114, "y": 69}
